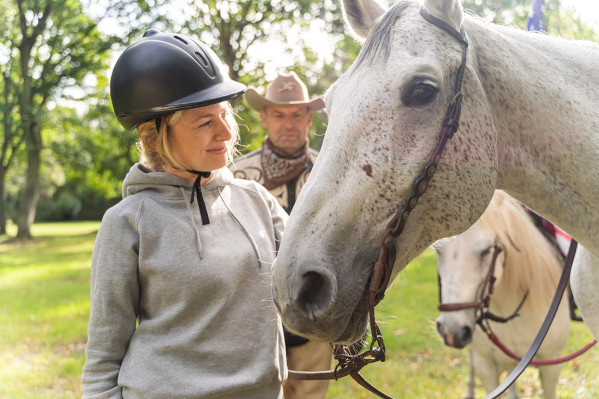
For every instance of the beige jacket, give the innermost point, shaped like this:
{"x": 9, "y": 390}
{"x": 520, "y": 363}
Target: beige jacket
{"x": 249, "y": 167}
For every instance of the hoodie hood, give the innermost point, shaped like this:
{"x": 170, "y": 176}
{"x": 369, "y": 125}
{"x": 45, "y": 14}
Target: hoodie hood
{"x": 140, "y": 178}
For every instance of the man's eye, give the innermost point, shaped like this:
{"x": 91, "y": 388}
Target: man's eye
{"x": 419, "y": 93}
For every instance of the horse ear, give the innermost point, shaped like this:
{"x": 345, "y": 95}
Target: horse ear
{"x": 449, "y": 11}
{"x": 362, "y": 15}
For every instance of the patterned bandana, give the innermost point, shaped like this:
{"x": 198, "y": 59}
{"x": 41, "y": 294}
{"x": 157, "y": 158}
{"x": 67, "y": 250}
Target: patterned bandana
{"x": 280, "y": 168}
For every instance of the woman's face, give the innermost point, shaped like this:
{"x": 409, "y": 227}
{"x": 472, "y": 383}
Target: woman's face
{"x": 200, "y": 139}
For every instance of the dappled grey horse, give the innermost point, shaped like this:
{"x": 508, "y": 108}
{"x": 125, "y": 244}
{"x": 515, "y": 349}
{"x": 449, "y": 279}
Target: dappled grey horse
{"x": 529, "y": 126}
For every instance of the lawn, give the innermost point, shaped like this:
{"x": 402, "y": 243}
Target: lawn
{"x": 44, "y": 306}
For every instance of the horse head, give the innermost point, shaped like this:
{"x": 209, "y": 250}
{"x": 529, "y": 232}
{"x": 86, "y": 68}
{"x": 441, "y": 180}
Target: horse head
{"x": 503, "y": 261}
{"x": 469, "y": 266}
{"x": 385, "y": 116}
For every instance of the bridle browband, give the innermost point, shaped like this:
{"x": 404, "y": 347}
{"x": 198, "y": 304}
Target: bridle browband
{"x": 350, "y": 359}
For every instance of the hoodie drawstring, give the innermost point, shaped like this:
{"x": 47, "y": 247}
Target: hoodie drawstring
{"x": 197, "y": 190}
{"x": 245, "y": 231}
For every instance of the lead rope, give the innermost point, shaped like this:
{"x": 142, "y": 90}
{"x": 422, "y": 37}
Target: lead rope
{"x": 197, "y": 191}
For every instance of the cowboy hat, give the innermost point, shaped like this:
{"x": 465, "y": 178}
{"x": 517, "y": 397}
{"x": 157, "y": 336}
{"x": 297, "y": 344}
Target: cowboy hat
{"x": 286, "y": 89}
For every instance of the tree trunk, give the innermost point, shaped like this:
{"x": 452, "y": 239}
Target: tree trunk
{"x": 2, "y": 202}
{"x": 30, "y": 196}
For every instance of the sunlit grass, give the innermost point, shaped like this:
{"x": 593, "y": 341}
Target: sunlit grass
{"x": 419, "y": 366}
{"x": 44, "y": 307}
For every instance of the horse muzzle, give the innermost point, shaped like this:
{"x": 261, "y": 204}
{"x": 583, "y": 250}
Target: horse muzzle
{"x": 310, "y": 306}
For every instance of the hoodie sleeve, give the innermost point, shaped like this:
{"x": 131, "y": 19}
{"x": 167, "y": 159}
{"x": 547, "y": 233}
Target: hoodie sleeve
{"x": 114, "y": 300}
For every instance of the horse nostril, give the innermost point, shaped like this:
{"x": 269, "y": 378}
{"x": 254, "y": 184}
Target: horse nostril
{"x": 315, "y": 294}
{"x": 466, "y": 335}
{"x": 440, "y": 329}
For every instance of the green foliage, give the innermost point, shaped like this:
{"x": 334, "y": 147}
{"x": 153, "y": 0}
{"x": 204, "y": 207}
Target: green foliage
{"x": 88, "y": 160}
{"x": 558, "y": 21}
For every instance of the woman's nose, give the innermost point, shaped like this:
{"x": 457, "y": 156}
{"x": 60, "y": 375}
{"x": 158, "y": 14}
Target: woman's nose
{"x": 224, "y": 130}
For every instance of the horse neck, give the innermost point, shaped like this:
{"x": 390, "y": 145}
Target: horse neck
{"x": 543, "y": 94}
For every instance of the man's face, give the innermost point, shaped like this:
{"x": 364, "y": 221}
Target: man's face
{"x": 287, "y": 126}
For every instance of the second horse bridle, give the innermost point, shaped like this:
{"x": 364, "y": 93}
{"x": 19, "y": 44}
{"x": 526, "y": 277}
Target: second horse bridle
{"x": 350, "y": 360}
{"x": 483, "y": 297}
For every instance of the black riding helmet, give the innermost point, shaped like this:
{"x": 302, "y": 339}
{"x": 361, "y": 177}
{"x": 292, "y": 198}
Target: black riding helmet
{"x": 164, "y": 72}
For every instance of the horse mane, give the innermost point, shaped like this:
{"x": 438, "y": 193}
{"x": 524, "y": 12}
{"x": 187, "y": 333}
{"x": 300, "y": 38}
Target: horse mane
{"x": 380, "y": 38}
{"x": 530, "y": 260}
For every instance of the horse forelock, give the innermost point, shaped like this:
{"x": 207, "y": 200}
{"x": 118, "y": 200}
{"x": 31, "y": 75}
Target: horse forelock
{"x": 380, "y": 39}
{"x": 533, "y": 265}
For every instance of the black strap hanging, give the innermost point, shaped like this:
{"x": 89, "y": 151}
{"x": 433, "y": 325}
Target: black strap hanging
{"x": 197, "y": 190}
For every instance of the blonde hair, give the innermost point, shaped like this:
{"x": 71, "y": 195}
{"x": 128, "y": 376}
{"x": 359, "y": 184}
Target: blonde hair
{"x": 155, "y": 147}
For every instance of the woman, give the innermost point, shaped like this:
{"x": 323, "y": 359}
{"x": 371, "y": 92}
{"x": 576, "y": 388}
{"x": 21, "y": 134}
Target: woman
{"x": 180, "y": 294}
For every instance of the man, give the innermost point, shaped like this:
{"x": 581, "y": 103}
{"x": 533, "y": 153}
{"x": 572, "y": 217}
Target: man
{"x": 283, "y": 165}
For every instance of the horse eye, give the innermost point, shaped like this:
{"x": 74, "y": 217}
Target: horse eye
{"x": 485, "y": 252}
{"x": 419, "y": 93}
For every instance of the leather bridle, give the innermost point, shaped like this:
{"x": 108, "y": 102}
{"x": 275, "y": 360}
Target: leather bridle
{"x": 483, "y": 297}
{"x": 350, "y": 359}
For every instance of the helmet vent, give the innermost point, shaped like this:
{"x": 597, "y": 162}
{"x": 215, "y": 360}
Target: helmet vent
{"x": 202, "y": 59}
{"x": 179, "y": 38}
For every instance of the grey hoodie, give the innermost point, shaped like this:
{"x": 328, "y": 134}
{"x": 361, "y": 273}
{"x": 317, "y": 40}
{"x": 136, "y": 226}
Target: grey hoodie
{"x": 201, "y": 293}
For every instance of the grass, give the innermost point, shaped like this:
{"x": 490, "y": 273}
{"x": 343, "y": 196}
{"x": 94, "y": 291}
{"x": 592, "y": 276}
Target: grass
{"x": 44, "y": 307}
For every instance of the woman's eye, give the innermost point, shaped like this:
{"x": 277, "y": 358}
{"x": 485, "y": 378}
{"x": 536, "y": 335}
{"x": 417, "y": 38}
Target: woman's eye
{"x": 205, "y": 124}
{"x": 419, "y": 94}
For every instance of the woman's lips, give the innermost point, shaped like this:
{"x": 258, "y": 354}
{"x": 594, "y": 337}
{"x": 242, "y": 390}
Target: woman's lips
{"x": 217, "y": 151}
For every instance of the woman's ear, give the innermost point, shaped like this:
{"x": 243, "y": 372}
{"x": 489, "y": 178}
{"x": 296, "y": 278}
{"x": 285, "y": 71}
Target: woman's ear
{"x": 361, "y": 15}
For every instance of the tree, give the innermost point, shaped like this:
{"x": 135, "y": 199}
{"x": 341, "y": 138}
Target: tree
{"x": 51, "y": 45}
{"x": 10, "y": 139}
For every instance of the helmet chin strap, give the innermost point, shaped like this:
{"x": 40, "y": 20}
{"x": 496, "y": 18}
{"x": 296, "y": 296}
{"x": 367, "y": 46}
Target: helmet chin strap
{"x": 197, "y": 190}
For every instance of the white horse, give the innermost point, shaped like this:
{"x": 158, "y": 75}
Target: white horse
{"x": 526, "y": 267}
{"x": 529, "y": 126}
